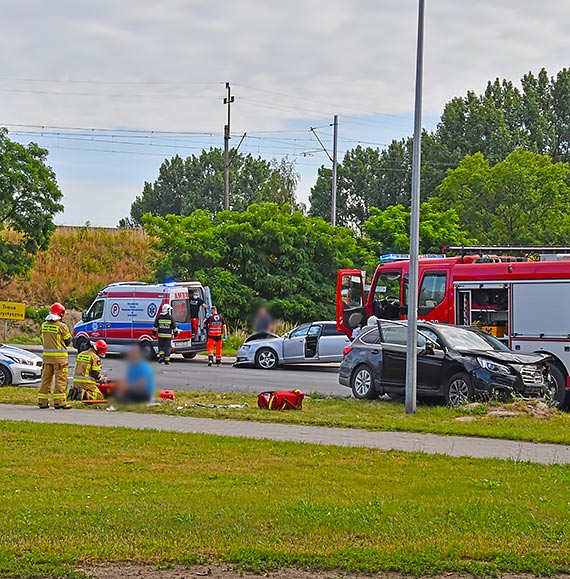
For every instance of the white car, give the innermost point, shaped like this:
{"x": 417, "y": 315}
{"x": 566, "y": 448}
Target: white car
{"x": 18, "y": 366}
{"x": 312, "y": 343}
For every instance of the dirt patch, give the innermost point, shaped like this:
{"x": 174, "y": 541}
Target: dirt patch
{"x": 534, "y": 408}
{"x": 220, "y": 571}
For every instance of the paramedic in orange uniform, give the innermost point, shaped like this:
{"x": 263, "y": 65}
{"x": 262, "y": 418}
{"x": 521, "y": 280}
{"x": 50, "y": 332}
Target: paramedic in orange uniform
{"x": 215, "y": 328}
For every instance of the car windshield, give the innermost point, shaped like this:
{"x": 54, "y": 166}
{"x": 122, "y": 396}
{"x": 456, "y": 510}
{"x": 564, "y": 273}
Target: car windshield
{"x": 464, "y": 339}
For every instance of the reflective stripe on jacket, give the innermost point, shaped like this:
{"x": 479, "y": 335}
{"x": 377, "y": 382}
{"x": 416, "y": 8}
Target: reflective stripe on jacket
{"x": 215, "y": 325}
{"x": 87, "y": 368}
{"x": 165, "y": 325}
{"x": 54, "y": 336}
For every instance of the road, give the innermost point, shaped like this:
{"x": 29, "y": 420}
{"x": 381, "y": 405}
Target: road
{"x": 196, "y": 375}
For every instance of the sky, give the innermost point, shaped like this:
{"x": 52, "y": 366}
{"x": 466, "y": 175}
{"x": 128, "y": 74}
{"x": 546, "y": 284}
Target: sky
{"x": 113, "y": 88}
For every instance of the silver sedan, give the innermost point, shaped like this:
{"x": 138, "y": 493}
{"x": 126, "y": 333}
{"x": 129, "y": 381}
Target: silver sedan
{"x": 311, "y": 343}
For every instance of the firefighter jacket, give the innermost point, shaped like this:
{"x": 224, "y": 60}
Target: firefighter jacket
{"x": 165, "y": 325}
{"x": 215, "y": 326}
{"x": 87, "y": 369}
{"x": 55, "y": 339}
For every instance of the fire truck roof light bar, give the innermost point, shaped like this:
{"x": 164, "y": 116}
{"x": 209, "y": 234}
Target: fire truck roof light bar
{"x": 497, "y": 249}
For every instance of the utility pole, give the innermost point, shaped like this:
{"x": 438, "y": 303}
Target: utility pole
{"x": 228, "y": 100}
{"x": 411, "y": 349}
{"x": 334, "y": 167}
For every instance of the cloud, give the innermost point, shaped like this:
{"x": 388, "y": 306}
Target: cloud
{"x": 162, "y": 65}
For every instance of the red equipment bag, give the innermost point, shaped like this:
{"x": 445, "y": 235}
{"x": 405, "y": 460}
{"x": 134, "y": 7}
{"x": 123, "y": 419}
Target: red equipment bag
{"x": 167, "y": 394}
{"x": 281, "y": 400}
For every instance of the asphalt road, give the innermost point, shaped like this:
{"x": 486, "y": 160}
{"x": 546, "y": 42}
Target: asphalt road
{"x": 196, "y": 375}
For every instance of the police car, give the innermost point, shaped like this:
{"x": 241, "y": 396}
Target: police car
{"x": 18, "y": 366}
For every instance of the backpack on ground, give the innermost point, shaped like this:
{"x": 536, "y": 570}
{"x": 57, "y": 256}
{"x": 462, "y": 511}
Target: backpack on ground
{"x": 281, "y": 400}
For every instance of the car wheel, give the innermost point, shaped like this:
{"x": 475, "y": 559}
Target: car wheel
{"x": 362, "y": 384}
{"x": 82, "y": 345}
{"x": 5, "y": 376}
{"x": 558, "y": 391}
{"x": 147, "y": 350}
{"x": 189, "y": 355}
{"x": 266, "y": 359}
{"x": 459, "y": 389}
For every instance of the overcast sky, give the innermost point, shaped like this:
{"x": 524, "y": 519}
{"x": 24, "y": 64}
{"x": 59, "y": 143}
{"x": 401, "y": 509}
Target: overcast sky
{"x": 161, "y": 66}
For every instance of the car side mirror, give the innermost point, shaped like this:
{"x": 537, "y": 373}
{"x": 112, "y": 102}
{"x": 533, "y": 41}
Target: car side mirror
{"x": 84, "y": 316}
{"x": 429, "y": 349}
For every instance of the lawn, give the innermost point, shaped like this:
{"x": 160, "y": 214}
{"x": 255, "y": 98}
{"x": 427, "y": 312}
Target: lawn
{"x": 75, "y": 495}
{"x": 351, "y": 413}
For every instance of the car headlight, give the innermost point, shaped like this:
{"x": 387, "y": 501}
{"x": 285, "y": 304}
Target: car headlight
{"x": 19, "y": 360}
{"x": 493, "y": 366}
{"x": 244, "y": 347}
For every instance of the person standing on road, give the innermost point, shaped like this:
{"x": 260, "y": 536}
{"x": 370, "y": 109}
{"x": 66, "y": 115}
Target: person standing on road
{"x": 87, "y": 374}
{"x": 263, "y": 322}
{"x": 215, "y": 328}
{"x": 165, "y": 327}
{"x": 196, "y": 302}
{"x": 56, "y": 337}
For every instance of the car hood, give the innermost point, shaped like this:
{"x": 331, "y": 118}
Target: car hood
{"x": 263, "y": 342}
{"x": 508, "y": 357}
{"x": 13, "y": 351}
{"x": 260, "y": 336}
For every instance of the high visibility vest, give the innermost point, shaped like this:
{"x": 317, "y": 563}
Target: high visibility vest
{"x": 54, "y": 334}
{"x": 87, "y": 368}
{"x": 215, "y": 326}
{"x": 165, "y": 325}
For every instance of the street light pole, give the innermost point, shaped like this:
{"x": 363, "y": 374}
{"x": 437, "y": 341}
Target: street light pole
{"x": 412, "y": 353}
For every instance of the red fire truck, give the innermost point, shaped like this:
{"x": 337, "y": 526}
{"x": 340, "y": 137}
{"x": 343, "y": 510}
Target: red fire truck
{"x": 526, "y": 304}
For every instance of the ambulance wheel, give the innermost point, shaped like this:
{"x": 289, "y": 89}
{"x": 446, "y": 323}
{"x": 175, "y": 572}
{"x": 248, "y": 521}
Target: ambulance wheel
{"x": 189, "y": 355}
{"x": 147, "y": 350}
{"x": 82, "y": 345}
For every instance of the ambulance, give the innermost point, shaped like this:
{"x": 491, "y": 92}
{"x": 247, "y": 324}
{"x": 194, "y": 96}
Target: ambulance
{"x": 123, "y": 314}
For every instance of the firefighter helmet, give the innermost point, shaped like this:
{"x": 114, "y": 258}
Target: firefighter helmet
{"x": 57, "y": 309}
{"x": 101, "y": 347}
{"x": 166, "y": 309}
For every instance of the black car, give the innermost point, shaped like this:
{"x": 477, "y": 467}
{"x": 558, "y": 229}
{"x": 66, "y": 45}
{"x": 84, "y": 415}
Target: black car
{"x": 454, "y": 362}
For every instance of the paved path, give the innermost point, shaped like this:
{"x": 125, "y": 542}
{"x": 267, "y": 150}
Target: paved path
{"x": 405, "y": 441}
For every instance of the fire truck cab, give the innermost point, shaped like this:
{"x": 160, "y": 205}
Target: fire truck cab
{"x": 525, "y": 304}
{"x": 123, "y": 314}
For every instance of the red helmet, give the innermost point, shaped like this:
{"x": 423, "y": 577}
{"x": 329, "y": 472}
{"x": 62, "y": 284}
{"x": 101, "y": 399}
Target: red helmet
{"x": 57, "y": 309}
{"x": 101, "y": 347}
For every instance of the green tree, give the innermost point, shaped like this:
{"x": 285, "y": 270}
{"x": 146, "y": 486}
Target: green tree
{"x": 524, "y": 199}
{"x": 29, "y": 199}
{"x": 197, "y": 182}
{"x": 390, "y": 229}
{"x": 267, "y": 253}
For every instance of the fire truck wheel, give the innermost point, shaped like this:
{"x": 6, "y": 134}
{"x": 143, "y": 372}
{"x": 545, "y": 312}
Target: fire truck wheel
{"x": 362, "y": 384}
{"x": 189, "y": 355}
{"x": 147, "y": 350}
{"x": 559, "y": 394}
{"x": 459, "y": 389}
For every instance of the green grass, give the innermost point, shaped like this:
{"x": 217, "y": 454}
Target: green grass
{"x": 75, "y": 495}
{"x": 351, "y": 413}
{"x": 25, "y": 339}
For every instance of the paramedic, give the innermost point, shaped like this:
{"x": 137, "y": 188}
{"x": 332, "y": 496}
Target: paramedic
{"x": 87, "y": 373}
{"x": 165, "y": 327}
{"x": 215, "y": 328}
{"x": 55, "y": 339}
{"x": 196, "y": 302}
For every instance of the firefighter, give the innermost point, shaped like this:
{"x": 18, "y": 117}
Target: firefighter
{"x": 196, "y": 302}
{"x": 165, "y": 327}
{"x": 87, "y": 373}
{"x": 215, "y": 329}
{"x": 55, "y": 339}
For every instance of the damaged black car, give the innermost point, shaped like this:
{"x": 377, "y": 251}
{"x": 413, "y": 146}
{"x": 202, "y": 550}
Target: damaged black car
{"x": 454, "y": 362}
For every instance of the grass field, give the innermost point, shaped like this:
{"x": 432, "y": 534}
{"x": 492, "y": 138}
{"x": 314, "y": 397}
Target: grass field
{"x": 81, "y": 494}
{"x": 350, "y": 413}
